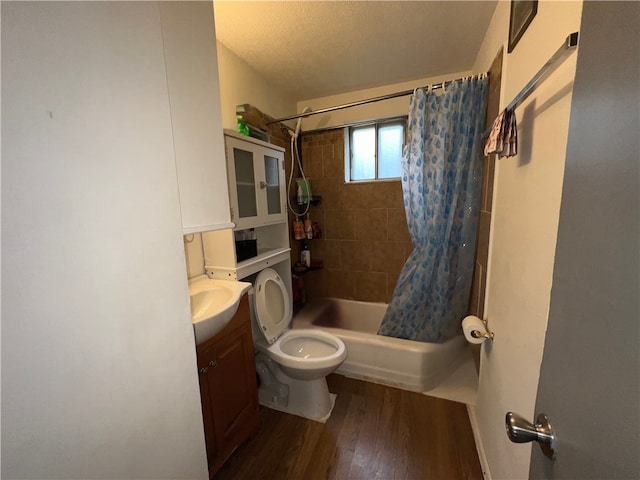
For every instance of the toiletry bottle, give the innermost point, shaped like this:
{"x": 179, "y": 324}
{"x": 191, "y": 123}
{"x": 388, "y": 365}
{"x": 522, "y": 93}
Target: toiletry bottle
{"x": 242, "y": 127}
{"x": 305, "y": 256}
{"x": 300, "y": 197}
{"x": 298, "y": 229}
{"x": 308, "y": 228}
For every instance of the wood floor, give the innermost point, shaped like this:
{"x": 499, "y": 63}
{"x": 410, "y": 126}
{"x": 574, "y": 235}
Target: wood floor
{"x": 374, "y": 432}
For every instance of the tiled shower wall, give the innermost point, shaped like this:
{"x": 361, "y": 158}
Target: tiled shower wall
{"x": 365, "y": 237}
{"x": 476, "y": 302}
{"x": 365, "y": 240}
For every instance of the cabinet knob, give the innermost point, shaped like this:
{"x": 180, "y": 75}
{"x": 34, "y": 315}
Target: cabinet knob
{"x": 263, "y": 184}
{"x": 204, "y": 370}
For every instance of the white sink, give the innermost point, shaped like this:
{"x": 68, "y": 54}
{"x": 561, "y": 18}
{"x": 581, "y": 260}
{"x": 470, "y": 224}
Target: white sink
{"x": 213, "y": 304}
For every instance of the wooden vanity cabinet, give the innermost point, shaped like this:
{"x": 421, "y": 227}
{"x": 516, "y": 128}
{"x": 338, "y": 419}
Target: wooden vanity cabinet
{"x": 228, "y": 388}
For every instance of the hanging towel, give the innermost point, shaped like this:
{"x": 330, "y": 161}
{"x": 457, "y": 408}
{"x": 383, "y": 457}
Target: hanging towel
{"x": 511, "y": 149}
{"x": 491, "y": 146}
{"x": 503, "y": 138}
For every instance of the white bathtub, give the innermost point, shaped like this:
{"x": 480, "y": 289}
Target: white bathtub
{"x": 406, "y": 364}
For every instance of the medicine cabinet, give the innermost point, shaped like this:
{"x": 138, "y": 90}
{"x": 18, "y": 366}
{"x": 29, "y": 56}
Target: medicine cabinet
{"x": 257, "y": 188}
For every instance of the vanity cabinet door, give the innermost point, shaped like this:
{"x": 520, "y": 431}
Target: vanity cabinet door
{"x": 207, "y": 413}
{"x": 257, "y": 185}
{"x": 228, "y": 388}
{"x": 233, "y": 392}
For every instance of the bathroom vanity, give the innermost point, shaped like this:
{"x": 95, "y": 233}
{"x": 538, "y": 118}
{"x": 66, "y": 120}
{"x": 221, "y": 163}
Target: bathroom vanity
{"x": 228, "y": 387}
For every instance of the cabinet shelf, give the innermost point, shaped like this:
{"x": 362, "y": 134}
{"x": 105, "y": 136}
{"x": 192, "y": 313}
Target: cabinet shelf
{"x": 266, "y": 257}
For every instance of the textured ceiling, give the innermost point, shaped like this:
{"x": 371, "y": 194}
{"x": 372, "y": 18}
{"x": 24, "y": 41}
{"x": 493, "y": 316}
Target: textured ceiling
{"x": 312, "y": 49}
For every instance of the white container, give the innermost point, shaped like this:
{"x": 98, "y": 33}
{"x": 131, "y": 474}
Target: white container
{"x": 305, "y": 257}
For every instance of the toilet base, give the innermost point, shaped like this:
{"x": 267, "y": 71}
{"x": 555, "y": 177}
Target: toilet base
{"x": 306, "y": 398}
{"x": 275, "y": 406}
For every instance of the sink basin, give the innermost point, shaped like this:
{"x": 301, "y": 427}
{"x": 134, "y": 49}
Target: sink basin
{"x": 206, "y": 303}
{"x": 213, "y": 304}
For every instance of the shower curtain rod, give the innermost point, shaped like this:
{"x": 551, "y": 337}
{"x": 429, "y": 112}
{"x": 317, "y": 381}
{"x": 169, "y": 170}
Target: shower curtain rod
{"x": 435, "y": 86}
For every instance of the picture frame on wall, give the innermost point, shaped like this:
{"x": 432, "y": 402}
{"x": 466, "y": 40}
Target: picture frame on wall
{"x": 522, "y": 13}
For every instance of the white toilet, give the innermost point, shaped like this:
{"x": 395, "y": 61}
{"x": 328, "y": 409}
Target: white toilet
{"x": 292, "y": 364}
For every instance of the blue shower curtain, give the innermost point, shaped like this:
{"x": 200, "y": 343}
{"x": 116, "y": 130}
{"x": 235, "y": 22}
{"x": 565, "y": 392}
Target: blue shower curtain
{"x": 441, "y": 180}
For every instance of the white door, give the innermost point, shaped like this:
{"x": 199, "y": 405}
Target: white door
{"x": 589, "y": 381}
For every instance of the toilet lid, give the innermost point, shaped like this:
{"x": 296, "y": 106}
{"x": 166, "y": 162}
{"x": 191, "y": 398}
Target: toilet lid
{"x": 272, "y": 306}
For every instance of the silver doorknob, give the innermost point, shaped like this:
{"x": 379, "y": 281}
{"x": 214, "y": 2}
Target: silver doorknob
{"x": 520, "y": 430}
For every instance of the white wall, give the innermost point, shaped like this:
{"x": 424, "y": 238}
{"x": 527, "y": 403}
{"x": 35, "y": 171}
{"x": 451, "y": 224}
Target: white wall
{"x": 194, "y": 254}
{"x": 99, "y": 376}
{"x": 524, "y": 228}
{"x": 387, "y": 108}
{"x": 239, "y": 84}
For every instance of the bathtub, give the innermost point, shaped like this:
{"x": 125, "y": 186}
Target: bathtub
{"x": 406, "y": 364}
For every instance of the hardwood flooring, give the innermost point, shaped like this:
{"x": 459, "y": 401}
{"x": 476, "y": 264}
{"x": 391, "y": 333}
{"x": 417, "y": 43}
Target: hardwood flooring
{"x": 374, "y": 432}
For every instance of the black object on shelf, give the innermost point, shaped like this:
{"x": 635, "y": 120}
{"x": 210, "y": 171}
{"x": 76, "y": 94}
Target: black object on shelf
{"x": 316, "y": 200}
{"x": 246, "y": 249}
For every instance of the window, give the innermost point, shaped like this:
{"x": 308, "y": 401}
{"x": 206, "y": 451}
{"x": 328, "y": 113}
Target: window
{"x": 373, "y": 151}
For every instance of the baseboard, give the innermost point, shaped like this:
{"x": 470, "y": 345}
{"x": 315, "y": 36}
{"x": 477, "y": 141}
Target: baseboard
{"x": 484, "y": 464}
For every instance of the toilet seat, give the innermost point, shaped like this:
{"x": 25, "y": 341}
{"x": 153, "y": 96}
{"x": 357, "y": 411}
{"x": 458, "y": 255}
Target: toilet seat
{"x": 272, "y": 305}
{"x": 307, "y": 349}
